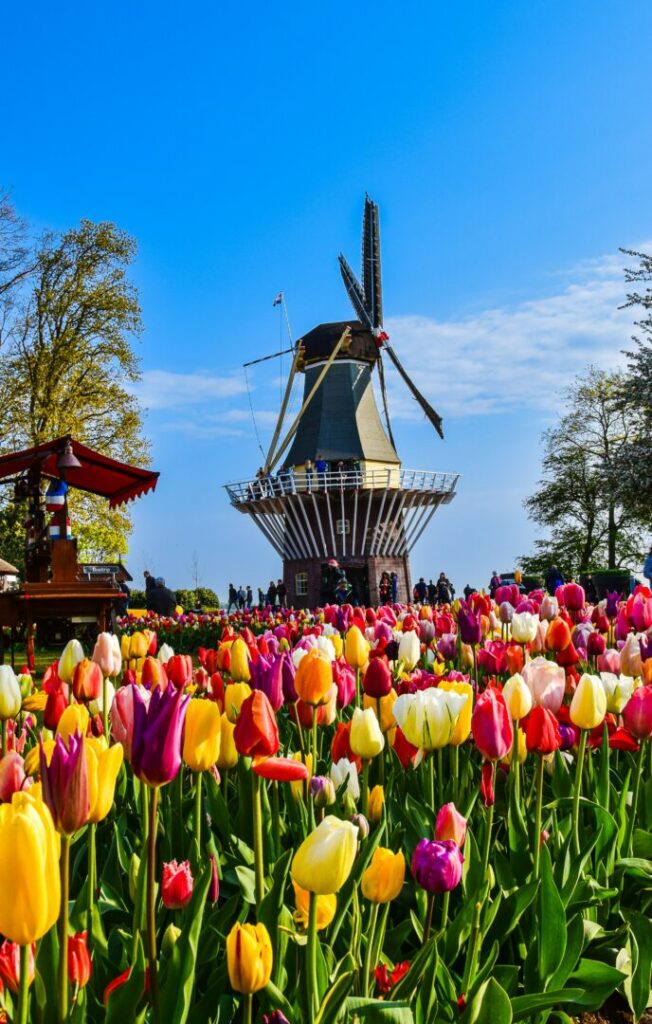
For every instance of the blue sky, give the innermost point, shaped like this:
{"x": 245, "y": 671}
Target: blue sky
{"x": 508, "y": 145}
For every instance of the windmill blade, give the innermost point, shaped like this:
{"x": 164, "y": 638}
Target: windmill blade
{"x": 371, "y": 276}
{"x": 434, "y": 417}
{"x": 354, "y": 291}
{"x": 383, "y": 392}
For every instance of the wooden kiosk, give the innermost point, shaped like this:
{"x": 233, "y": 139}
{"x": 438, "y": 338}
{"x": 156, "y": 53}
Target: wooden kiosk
{"x": 54, "y": 586}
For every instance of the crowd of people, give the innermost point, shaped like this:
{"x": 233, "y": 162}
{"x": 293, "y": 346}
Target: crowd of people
{"x": 243, "y": 597}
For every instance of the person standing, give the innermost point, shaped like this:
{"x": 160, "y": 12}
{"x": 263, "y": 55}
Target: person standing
{"x": 281, "y": 593}
{"x": 249, "y": 596}
{"x": 494, "y": 583}
{"x": 241, "y": 597}
{"x": 432, "y": 592}
{"x": 647, "y": 567}
{"x": 394, "y": 586}
{"x": 321, "y": 466}
{"x": 162, "y": 600}
{"x": 233, "y": 599}
{"x": 554, "y": 579}
{"x": 445, "y": 592}
{"x": 384, "y": 588}
{"x": 421, "y": 590}
{"x": 271, "y": 594}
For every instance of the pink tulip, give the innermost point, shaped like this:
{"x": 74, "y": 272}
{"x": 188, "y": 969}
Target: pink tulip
{"x": 122, "y": 716}
{"x": 12, "y": 776}
{"x": 609, "y": 662}
{"x": 549, "y": 608}
{"x": 546, "y": 681}
{"x": 450, "y": 824}
{"x": 491, "y": 725}
{"x": 630, "y": 657}
{"x": 637, "y": 713}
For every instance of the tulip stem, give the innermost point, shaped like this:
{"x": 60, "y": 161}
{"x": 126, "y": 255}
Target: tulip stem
{"x": 151, "y": 904}
{"x": 487, "y": 840}
{"x": 91, "y": 878}
{"x": 23, "y": 989}
{"x": 515, "y": 764}
{"x": 276, "y": 819}
{"x": 247, "y": 1013}
{"x": 259, "y": 865}
{"x": 358, "y": 700}
{"x": 444, "y": 910}
{"x": 430, "y": 906}
{"x": 578, "y": 789}
{"x": 537, "y": 816}
{"x": 440, "y": 776}
{"x": 381, "y": 759}
{"x": 311, "y": 949}
{"x": 431, "y": 780}
{"x": 62, "y": 977}
{"x": 364, "y": 788}
{"x": 4, "y": 736}
{"x": 105, "y": 708}
{"x": 472, "y": 951}
{"x": 371, "y": 935}
{"x": 455, "y": 771}
{"x": 197, "y": 823}
{"x": 632, "y": 811}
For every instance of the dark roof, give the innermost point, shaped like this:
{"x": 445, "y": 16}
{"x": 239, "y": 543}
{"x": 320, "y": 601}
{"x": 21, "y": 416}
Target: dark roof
{"x": 342, "y": 420}
{"x": 321, "y": 340}
{"x": 98, "y": 474}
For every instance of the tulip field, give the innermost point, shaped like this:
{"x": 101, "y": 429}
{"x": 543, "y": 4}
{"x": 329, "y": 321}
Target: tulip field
{"x": 394, "y": 815}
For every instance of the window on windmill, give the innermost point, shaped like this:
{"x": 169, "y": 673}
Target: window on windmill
{"x": 343, "y": 526}
{"x": 301, "y": 584}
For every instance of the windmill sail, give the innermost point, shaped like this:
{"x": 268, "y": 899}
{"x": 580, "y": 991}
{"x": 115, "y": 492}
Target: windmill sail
{"x": 433, "y": 416}
{"x": 355, "y": 293}
{"x": 371, "y": 276}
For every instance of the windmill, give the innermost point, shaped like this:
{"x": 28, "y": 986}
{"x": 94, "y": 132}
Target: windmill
{"x": 341, "y": 505}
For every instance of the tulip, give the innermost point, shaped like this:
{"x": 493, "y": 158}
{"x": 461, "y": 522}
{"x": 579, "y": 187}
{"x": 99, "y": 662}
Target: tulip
{"x": 524, "y": 627}
{"x": 240, "y": 658}
{"x": 248, "y": 957}
{"x": 165, "y": 653}
{"x": 176, "y": 885}
{"x": 596, "y": 645}
{"x": 462, "y": 729}
{"x": 228, "y": 752}
{"x": 256, "y": 731}
{"x": 409, "y": 650}
{"x": 12, "y": 776}
{"x": 322, "y": 790}
{"x": 267, "y": 675}
{"x": 546, "y": 682}
{"x": 72, "y": 653}
{"x": 450, "y": 824}
{"x": 201, "y": 742}
{"x": 324, "y": 860}
{"x": 470, "y": 626}
{"x": 157, "y": 731}
{"x": 491, "y": 725}
{"x": 517, "y": 697}
{"x": 573, "y": 596}
{"x": 367, "y": 740}
{"x": 558, "y": 636}
{"x": 103, "y": 764}
{"x": 542, "y": 734}
{"x": 437, "y": 865}
{"x": 589, "y": 704}
{"x": 630, "y": 657}
{"x": 106, "y": 654}
{"x": 383, "y": 879}
{"x": 377, "y": 680}
{"x": 326, "y": 907}
{"x": 356, "y": 649}
{"x": 64, "y": 784}
{"x": 618, "y": 690}
{"x": 79, "y": 961}
{"x": 122, "y": 716}
{"x": 56, "y": 704}
{"x": 29, "y": 868}
{"x": 637, "y": 713}
{"x": 153, "y": 674}
{"x": 341, "y": 742}
{"x": 10, "y": 965}
{"x": 549, "y": 608}
{"x": 10, "y": 696}
{"x": 178, "y": 670}
{"x": 87, "y": 680}
{"x": 427, "y": 718}
{"x": 345, "y": 771}
{"x": 74, "y": 719}
{"x": 345, "y": 680}
{"x": 314, "y": 678}
{"x": 376, "y": 804}
{"x": 234, "y": 697}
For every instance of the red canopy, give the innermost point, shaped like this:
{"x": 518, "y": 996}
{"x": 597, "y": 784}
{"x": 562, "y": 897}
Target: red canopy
{"x": 97, "y": 474}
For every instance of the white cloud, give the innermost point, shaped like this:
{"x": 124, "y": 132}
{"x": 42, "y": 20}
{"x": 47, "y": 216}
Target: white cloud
{"x": 514, "y": 356}
{"x": 161, "y": 389}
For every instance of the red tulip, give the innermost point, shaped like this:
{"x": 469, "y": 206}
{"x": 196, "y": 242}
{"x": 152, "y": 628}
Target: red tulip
{"x": 637, "y": 713}
{"x": 620, "y": 739}
{"x": 596, "y": 644}
{"x": 542, "y": 731}
{"x": 179, "y": 669}
{"x": 280, "y": 769}
{"x": 341, "y": 743}
{"x": 403, "y": 749}
{"x": 377, "y": 681}
{"x": 176, "y": 884}
{"x": 256, "y": 731}
{"x": 55, "y": 706}
{"x": 10, "y": 965}
{"x": 487, "y": 783}
{"x": 491, "y": 725}
{"x": 514, "y": 658}
{"x": 79, "y": 961}
{"x": 12, "y": 776}
{"x": 572, "y": 595}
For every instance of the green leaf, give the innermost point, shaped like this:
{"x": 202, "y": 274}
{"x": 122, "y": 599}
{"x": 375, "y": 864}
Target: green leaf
{"x": 489, "y": 1005}
{"x": 552, "y": 922}
{"x": 526, "y": 1006}
{"x": 597, "y": 980}
{"x": 247, "y": 882}
{"x": 334, "y": 999}
{"x": 278, "y": 1001}
{"x": 380, "y": 1011}
{"x": 122, "y": 1007}
{"x": 346, "y": 893}
{"x": 176, "y": 997}
{"x": 418, "y": 966}
{"x": 271, "y": 906}
{"x": 46, "y": 977}
{"x": 638, "y": 985}
{"x": 642, "y": 844}
{"x": 574, "y": 947}
{"x": 511, "y": 910}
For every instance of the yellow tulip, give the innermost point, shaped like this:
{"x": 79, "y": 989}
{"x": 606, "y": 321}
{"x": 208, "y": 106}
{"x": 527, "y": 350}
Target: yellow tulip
{"x": 10, "y": 695}
{"x": 522, "y": 750}
{"x": 338, "y": 644}
{"x": 366, "y": 738}
{"x": 71, "y": 654}
{"x": 314, "y": 677}
{"x": 235, "y": 695}
{"x": 36, "y": 701}
{"x": 383, "y": 880}
{"x": 324, "y": 860}
{"x": 75, "y": 718}
{"x": 102, "y": 765}
{"x": 518, "y": 696}
{"x": 387, "y": 720}
{"x": 33, "y": 758}
{"x": 326, "y": 907}
{"x": 29, "y": 869}
{"x": 201, "y": 744}
{"x": 297, "y": 787}
{"x": 239, "y": 670}
{"x": 589, "y": 703}
{"x": 138, "y": 645}
{"x": 356, "y": 648}
{"x": 462, "y": 729}
{"x": 248, "y": 957}
{"x": 376, "y": 804}
{"x": 227, "y": 755}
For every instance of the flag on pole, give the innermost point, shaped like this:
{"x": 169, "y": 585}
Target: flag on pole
{"x": 278, "y": 300}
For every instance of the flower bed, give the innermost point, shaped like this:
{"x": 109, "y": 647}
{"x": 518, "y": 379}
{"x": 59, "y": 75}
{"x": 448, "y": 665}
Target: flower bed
{"x": 382, "y": 815}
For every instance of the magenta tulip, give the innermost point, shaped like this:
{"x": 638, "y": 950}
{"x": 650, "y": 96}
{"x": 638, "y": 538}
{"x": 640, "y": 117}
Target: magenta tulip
{"x": 157, "y": 731}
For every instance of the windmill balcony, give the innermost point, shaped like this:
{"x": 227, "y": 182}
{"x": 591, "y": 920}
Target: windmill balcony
{"x": 288, "y": 482}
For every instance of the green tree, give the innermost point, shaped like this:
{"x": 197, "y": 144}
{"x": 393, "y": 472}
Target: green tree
{"x": 582, "y": 500}
{"x": 68, "y": 364}
{"x": 637, "y": 389}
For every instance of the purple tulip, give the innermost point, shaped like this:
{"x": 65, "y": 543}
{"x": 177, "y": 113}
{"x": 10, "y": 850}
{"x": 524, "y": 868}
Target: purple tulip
{"x": 447, "y": 646}
{"x": 267, "y": 675}
{"x": 526, "y": 605}
{"x": 65, "y": 784}
{"x": 383, "y": 631}
{"x": 426, "y": 631}
{"x": 568, "y": 735}
{"x": 470, "y": 625}
{"x": 645, "y": 643}
{"x": 288, "y": 672}
{"x": 275, "y": 1017}
{"x": 437, "y": 864}
{"x": 158, "y": 727}
{"x": 613, "y": 600}
{"x": 342, "y": 619}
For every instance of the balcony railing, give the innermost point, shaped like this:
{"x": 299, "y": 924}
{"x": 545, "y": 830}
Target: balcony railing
{"x": 303, "y": 481}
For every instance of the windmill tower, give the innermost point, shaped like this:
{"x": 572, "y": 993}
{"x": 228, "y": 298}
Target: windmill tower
{"x": 333, "y": 498}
